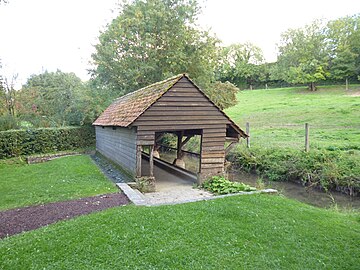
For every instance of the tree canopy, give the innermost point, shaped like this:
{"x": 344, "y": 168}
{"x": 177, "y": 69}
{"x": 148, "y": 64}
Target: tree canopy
{"x": 343, "y": 47}
{"x": 303, "y": 56}
{"x": 240, "y": 63}
{"x": 152, "y": 40}
{"x": 55, "y": 98}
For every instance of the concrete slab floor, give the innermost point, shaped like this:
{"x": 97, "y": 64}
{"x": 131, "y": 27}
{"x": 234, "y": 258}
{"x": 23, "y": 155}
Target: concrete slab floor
{"x": 171, "y": 188}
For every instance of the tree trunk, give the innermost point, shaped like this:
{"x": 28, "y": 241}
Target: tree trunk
{"x": 251, "y": 87}
{"x": 312, "y": 86}
{"x": 346, "y": 84}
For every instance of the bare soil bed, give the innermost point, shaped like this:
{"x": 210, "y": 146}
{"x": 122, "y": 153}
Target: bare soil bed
{"x": 18, "y": 220}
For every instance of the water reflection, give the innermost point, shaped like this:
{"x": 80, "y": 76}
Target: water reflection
{"x": 311, "y": 196}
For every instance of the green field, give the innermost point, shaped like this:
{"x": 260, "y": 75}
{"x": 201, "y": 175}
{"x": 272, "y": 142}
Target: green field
{"x": 277, "y": 117}
{"x": 242, "y": 232}
{"x": 57, "y": 180}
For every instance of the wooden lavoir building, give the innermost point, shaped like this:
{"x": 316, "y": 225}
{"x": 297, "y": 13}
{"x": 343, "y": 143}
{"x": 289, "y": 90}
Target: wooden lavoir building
{"x": 175, "y": 105}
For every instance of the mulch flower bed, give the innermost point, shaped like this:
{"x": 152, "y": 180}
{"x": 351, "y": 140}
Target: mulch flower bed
{"x": 18, "y": 220}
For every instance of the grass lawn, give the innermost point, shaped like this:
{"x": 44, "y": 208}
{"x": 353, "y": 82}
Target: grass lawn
{"x": 332, "y": 112}
{"x": 57, "y": 180}
{"x": 243, "y": 232}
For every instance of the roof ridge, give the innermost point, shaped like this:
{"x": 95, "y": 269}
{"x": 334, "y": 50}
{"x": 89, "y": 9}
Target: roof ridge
{"x": 151, "y": 85}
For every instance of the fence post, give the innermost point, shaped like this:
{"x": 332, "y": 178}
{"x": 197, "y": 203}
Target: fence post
{"x": 248, "y": 133}
{"x": 307, "y": 133}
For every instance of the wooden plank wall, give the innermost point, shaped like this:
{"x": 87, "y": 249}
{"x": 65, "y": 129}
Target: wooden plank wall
{"x": 119, "y": 145}
{"x": 212, "y": 152}
{"x": 185, "y": 107}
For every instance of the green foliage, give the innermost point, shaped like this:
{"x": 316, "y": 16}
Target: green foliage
{"x": 26, "y": 142}
{"x": 7, "y": 122}
{"x": 303, "y": 56}
{"x": 221, "y": 185}
{"x": 54, "y": 99}
{"x": 341, "y": 35}
{"x": 240, "y": 63}
{"x": 245, "y": 232}
{"x": 61, "y": 179}
{"x": 327, "y": 169}
{"x": 150, "y": 41}
{"x": 223, "y": 94}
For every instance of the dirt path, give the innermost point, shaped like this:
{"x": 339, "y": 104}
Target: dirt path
{"x": 15, "y": 221}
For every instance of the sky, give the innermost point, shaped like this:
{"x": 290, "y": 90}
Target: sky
{"x": 39, "y": 35}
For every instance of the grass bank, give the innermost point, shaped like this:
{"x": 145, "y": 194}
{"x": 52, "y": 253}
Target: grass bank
{"x": 243, "y": 232}
{"x": 277, "y": 118}
{"x": 56, "y": 180}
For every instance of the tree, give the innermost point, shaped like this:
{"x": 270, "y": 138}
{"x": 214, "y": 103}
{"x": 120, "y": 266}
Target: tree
{"x": 342, "y": 47}
{"x": 303, "y": 56}
{"x": 150, "y": 41}
{"x": 55, "y": 96}
{"x": 8, "y": 94}
{"x": 240, "y": 63}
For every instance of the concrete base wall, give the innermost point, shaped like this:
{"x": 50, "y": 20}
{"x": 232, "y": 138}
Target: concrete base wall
{"x": 119, "y": 145}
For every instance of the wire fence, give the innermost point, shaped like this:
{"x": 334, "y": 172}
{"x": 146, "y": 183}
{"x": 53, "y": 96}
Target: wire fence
{"x": 304, "y": 136}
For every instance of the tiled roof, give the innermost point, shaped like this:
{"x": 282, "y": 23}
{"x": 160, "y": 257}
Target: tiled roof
{"x": 126, "y": 109}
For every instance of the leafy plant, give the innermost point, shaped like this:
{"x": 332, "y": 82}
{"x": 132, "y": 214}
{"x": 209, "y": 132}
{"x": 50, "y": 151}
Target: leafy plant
{"x": 221, "y": 185}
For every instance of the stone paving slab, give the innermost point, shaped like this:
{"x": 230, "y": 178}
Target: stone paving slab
{"x": 184, "y": 194}
{"x": 134, "y": 195}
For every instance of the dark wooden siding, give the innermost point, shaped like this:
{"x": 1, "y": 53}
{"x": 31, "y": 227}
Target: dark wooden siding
{"x": 185, "y": 107}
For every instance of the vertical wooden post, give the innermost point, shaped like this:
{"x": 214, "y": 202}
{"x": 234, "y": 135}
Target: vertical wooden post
{"x": 151, "y": 160}
{"x": 307, "y": 134}
{"x": 138, "y": 160}
{"x": 346, "y": 84}
{"x": 179, "y": 144}
{"x": 248, "y": 133}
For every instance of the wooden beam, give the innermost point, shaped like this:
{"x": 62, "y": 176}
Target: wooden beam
{"x": 138, "y": 160}
{"x": 230, "y": 146}
{"x": 186, "y": 140}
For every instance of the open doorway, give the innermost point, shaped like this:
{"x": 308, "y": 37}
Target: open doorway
{"x": 179, "y": 148}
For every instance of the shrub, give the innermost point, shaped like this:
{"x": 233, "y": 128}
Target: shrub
{"x": 221, "y": 185}
{"x": 36, "y": 141}
{"x": 8, "y": 122}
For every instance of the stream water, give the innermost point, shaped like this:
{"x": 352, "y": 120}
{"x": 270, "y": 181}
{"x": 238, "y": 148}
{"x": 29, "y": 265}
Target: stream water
{"x": 307, "y": 195}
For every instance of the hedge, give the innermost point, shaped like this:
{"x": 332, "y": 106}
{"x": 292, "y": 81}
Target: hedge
{"x": 44, "y": 140}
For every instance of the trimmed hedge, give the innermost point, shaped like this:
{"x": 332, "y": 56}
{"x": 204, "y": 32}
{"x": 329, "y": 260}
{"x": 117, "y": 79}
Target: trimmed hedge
{"x": 44, "y": 140}
{"x": 330, "y": 170}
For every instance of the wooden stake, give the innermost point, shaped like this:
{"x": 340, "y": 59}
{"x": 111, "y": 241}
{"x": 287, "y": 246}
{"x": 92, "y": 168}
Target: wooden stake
{"x": 307, "y": 137}
{"x": 346, "y": 84}
{"x": 248, "y": 133}
{"x": 138, "y": 160}
{"x": 151, "y": 160}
